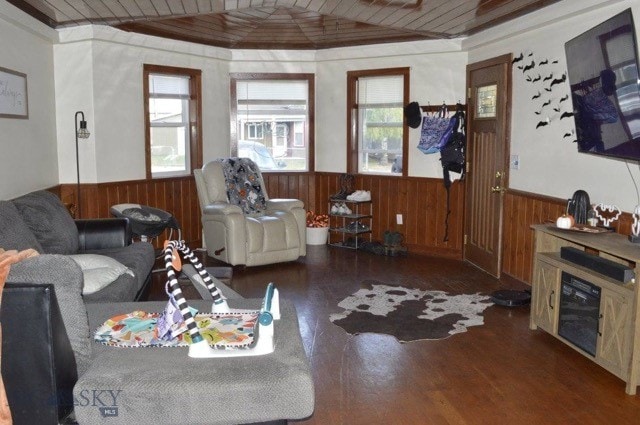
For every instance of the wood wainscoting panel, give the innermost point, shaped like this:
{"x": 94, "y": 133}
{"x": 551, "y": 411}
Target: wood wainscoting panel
{"x": 421, "y": 201}
{"x": 521, "y": 210}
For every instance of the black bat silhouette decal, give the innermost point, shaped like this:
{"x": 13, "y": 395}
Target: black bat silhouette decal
{"x": 564, "y": 98}
{"x": 538, "y": 112}
{"x": 538, "y": 78}
{"x": 520, "y": 67}
{"x": 528, "y": 78}
{"x": 542, "y": 124}
{"x": 556, "y": 109}
{"x": 544, "y": 62}
{"x": 567, "y": 135}
{"x": 548, "y": 78}
{"x": 558, "y": 80}
{"x": 530, "y": 54}
{"x": 567, "y": 115}
{"x": 518, "y": 58}
{"x": 547, "y": 103}
{"x": 548, "y": 89}
{"x": 535, "y": 96}
{"x": 555, "y": 61}
{"x": 529, "y": 67}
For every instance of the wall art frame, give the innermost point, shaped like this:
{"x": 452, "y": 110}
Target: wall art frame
{"x": 13, "y": 94}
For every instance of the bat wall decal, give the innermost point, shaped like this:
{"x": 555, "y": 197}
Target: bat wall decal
{"x": 564, "y": 98}
{"x": 528, "y": 78}
{"x": 518, "y": 58}
{"x": 529, "y": 67}
{"x": 537, "y": 78}
{"x": 544, "y": 62}
{"x": 549, "y": 77}
{"x": 547, "y": 103}
{"x": 558, "y": 80}
{"x": 567, "y": 115}
{"x": 535, "y": 96}
{"x": 542, "y": 123}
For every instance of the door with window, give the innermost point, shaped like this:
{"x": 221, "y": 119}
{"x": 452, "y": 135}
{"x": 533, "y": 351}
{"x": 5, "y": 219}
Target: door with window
{"x": 489, "y": 89}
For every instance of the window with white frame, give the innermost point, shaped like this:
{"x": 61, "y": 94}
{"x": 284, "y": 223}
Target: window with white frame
{"x": 378, "y": 138}
{"x": 273, "y": 120}
{"x": 172, "y": 121}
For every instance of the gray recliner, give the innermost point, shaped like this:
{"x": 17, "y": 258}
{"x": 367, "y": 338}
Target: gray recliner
{"x": 235, "y": 230}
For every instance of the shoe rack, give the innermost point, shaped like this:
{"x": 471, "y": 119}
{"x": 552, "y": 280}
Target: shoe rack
{"x": 347, "y": 229}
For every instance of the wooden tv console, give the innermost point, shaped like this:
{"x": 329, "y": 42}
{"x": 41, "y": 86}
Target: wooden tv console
{"x": 618, "y": 341}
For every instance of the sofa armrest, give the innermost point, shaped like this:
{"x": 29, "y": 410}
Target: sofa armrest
{"x": 284, "y": 204}
{"x": 221, "y": 209}
{"x": 103, "y": 233}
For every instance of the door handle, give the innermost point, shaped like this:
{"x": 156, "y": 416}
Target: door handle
{"x": 497, "y": 189}
{"x": 551, "y": 299}
{"x": 499, "y": 174}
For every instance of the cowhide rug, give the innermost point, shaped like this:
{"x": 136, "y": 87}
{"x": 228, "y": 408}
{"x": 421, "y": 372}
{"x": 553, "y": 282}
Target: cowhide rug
{"x": 409, "y": 314}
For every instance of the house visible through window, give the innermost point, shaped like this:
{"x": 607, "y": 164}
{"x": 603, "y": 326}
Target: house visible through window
{"x": 377, "y": 141}
{"x": 273, "y": 120}
{"x": 172, "y": 121}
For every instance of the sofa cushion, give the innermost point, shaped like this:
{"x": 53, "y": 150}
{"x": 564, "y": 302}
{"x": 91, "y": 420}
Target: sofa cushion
{"x": 138, "y": 257}
{"x": 66, "y": 277}
{"x": 99, "y": 271}
{"x": 14, "y": 232}
{"x": 50, "y": 222}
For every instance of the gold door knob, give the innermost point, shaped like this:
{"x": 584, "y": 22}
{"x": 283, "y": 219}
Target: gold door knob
{"x": 498, "y": 189}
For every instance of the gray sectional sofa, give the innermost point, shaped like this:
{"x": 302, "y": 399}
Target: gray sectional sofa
{"x": 114, "y": 269}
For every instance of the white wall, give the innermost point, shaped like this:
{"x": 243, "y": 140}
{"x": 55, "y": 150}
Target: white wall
{"x": 99, "y": 71}
{"x": 28, "y": 145}
{"x": 550, "y": 163}
{"x": 437, "y": 75}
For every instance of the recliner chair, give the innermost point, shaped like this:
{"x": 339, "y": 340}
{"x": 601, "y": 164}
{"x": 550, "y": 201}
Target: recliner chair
{"x": 241, "y": 225}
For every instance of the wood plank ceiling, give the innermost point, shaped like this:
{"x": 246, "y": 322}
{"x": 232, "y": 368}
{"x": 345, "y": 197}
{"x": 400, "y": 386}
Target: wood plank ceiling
{"x": 285, "y": 24}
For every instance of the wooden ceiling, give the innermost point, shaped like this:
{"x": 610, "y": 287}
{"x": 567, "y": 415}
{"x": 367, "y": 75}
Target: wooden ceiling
{"x": 285, "y": 24}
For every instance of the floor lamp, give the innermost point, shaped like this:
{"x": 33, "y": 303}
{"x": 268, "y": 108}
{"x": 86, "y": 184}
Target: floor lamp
{"x": 81, "y": 133}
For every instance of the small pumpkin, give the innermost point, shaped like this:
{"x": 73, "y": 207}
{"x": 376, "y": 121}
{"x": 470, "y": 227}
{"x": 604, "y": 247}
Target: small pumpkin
{"x": 565, "y": 221}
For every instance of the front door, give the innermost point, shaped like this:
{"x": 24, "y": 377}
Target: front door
{"x": 489, "y": 92}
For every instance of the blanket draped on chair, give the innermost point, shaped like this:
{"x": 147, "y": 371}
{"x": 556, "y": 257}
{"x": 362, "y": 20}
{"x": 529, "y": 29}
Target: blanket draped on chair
{"x": 244, "y": 187}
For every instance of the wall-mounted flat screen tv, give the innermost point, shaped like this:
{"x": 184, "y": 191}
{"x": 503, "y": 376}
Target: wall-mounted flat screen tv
{"x": 603, "y": 73}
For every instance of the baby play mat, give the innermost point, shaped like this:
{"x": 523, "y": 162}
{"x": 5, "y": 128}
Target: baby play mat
{"x": 138, "y": 329}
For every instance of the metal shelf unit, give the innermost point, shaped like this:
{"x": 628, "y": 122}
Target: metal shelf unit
{"x": 345, "y": 236}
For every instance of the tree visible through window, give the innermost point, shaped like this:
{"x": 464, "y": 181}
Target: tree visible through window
{"x": 377, "y": 141}
{"x": 172, "y": 109}
{"x": 272, "y": 120}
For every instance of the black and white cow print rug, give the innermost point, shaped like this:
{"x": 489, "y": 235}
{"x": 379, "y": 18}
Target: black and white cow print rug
{"x": 409, "y": 314}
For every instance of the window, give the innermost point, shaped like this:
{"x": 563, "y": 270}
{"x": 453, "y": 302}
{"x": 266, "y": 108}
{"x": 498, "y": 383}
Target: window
{"x": 272, "y": 120}
{"x": 172, "y": 121}
{"x": 377, "y": 141}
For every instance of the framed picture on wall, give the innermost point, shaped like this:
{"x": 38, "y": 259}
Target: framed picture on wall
{"x": 13, "y": 94}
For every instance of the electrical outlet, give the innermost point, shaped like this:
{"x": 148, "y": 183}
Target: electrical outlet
{"x": 399, "y": 219}
{"x": 515, "y": 162}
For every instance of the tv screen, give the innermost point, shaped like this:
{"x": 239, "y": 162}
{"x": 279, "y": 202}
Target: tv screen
{"x": 603, "y": 74}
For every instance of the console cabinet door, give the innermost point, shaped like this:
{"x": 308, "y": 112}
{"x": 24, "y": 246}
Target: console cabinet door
{"x": 545, "y": 297}
{"x": 612, "y": 351}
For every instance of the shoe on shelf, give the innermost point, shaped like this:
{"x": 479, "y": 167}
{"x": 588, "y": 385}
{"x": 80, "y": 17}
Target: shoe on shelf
{"x": 334, "y": 209}
{"x": 346, "y": 209}
{"x": 360, "y": 196}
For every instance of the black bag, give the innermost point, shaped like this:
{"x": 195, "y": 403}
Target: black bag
{"x": 452, "y": 157}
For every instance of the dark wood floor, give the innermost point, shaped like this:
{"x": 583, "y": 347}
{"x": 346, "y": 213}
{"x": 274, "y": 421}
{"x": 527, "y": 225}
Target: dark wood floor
{"x": 499, "y": 373}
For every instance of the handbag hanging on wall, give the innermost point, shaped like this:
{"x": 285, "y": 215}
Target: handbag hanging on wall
{"x": 436, "y": 130}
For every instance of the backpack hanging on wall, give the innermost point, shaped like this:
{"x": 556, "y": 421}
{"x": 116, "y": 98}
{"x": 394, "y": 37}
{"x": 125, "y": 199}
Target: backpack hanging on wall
{"x": 452, "y": 157}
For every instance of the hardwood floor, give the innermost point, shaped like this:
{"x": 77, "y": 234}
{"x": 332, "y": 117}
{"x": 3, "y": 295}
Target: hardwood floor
{"x": 498, "y": 373}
